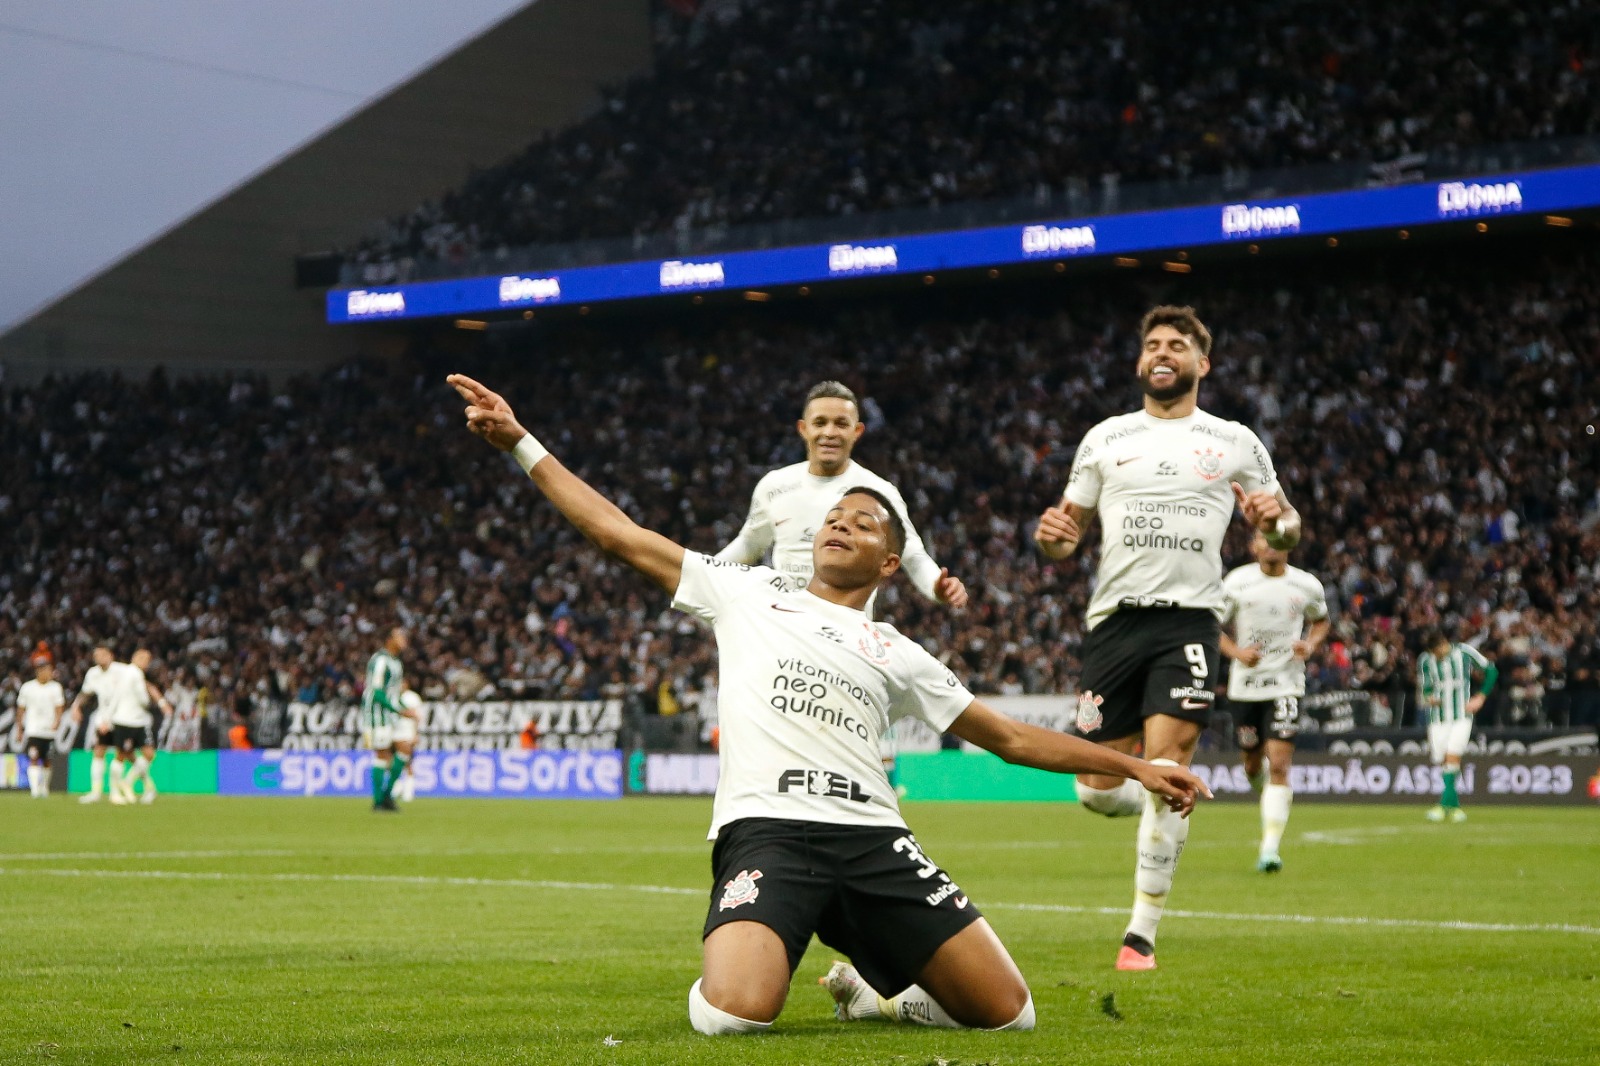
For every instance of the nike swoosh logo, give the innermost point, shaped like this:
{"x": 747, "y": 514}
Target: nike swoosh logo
{"x": 779, "y": 522}
{"x": 785, "y": 610}
{"x": 1193, "y": 705}
{"x": 1134, "y": 459}
{"x": 961, "y": 904}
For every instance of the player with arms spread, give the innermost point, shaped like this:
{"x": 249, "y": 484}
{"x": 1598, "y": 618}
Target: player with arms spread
{"x": 1164, "y": 481}
{"x": 1268, "y": 604}
{"x": 809, "y": 837}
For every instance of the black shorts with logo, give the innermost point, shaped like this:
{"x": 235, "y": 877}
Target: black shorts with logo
{"x": 38, "y": 749}
{"x": 1257, "y": 720}
{"x": 1144, "y": 661}
{"x": 868, "y": 892}
{"x": 130, "y": 738}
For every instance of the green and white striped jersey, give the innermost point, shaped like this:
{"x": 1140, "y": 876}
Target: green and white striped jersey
{"x": 380, "y": 699}
{"x": 1445, "y": 685}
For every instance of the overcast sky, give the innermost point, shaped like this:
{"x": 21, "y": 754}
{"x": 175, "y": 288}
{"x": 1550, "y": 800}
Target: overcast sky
{"x": 120, "y": 119}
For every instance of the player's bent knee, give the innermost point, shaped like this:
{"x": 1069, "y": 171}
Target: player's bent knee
{"x": 713, "y": 1021}
{"x": 1023, "y": 1022}
{"x": 1124, "y": 800}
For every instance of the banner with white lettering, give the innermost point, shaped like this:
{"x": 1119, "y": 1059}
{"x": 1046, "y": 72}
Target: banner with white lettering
{"x": 514, "y": 774}
{"x": 1509, "y": 779}
{"x": 470, "y": 725}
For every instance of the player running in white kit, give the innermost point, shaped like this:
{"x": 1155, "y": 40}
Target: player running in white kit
{"x": 1268, "y": 603}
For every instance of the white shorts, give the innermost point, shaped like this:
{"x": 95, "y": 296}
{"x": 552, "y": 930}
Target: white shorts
{"x": 1449, "y": 738}
{"x": 405, "y": 730}
{"x": 378, "y": 737}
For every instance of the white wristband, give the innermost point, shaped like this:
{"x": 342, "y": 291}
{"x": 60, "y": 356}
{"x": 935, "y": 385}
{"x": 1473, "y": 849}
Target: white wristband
{"x": 528, "y": 452}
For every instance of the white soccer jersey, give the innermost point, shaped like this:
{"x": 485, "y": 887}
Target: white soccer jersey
{"x": 1161, "y": 486}
{"x": 807, "y": 689}
{"x": 131, "y": 706}
{"x": 787, "y": 509}
{"x": 37, "y": 706}
{"x": 100, "y": 682}
{"x": 1270, "y": 613}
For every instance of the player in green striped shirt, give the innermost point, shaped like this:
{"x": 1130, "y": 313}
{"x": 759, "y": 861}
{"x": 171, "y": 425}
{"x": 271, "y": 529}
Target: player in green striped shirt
{"x": 1444, "y": 691}
{"x": 381, "y": 711}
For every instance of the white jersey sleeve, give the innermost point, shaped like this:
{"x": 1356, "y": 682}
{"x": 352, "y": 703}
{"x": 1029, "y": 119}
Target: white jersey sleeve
{"x": 710, "y": 585}
{"x": 932, "y": 691}
{"x": 1256, "y": 473}
{"x": 756, "y": 535}
{"x": 918, "y": 565}
{"x": 1083, "y": 484}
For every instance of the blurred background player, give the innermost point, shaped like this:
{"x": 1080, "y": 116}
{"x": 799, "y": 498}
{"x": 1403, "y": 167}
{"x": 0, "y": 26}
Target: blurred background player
{"x": 1268, "y": 604}
{"x": 788, "y": 504}
{"x": 405, "y": 743}
{"x": 1444, "y": 689}
{"x": 99, "y": 685}
{"x": 1160, "y": 480}
{"x": 133, "y": 734}
{"x": 381, "y": 710}
{"x": 39, "y": 706}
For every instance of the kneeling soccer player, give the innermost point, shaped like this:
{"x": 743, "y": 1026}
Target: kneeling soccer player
{"x": 808, "y": 832}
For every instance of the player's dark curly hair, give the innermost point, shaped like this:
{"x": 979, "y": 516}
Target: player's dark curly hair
{"x": 897, "y": 525}
{"x": 1183, "y": 319}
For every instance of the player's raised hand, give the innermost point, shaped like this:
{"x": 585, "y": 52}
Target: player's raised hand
{"x": 1057, "y": 533}
{"x": 1180, "y": 788}
{"x": 949, "y": 590}
{"x": 488, "y": 414}
{"x": 1261, "y": 509}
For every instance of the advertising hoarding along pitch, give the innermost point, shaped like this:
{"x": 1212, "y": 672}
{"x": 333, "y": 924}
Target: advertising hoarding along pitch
{"x": 1318, "y": 214}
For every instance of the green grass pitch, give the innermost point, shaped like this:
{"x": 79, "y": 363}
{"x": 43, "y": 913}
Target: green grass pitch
{"x": 213, "y": 930}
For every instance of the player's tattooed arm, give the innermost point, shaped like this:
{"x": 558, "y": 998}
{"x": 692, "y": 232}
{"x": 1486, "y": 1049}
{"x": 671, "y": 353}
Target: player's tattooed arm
{"x": 661, "y": 560}
{"x": 1271, "y": 513}
{"x": 1060, "y": 528}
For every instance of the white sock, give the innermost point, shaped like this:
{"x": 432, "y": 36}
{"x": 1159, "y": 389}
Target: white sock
{"x": 1124, "y": 800}
{"x": 35, "y": 775}
{"x": 918, "y": 1008}
{"x": 141, "y": 771}
{"x": 713, "y": 1022}
{"x": 97, "y": 776}
{"x": 44, "y": 780}
{"x": 1275, "y": 803}
{"x": 1024, "y": 1021}
{"x": 408, "y": 785}
{"x": 1161, "y": 837}
{"x": 119, "y": 770}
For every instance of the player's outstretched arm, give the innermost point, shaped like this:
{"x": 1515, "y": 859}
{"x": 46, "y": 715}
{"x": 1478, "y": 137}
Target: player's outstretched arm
{"x": 603, "y": 522}
{"x": 1045, "y": 749}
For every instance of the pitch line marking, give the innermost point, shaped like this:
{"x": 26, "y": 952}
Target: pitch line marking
{"x": 670, "y": 890}
{"x": 49, "y": 856}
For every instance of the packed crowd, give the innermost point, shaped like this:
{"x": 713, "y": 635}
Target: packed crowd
{"x": 825, "y": 108}
{"x": 1433, "y": 421}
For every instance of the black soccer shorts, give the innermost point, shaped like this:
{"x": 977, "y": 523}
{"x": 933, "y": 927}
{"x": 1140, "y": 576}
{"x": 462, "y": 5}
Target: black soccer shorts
{"x": 130, "y": 738}
{"x": 1257, "y": 720}
{"x": 1145, "y": 661}
{"x": 38, "y": 749}
{"x": 868, "y": 892}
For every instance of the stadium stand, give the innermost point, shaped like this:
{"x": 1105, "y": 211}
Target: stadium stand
{"x": 1432, "y": 416}
{"x": 762, "y": 112}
